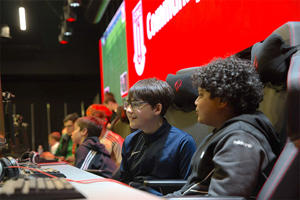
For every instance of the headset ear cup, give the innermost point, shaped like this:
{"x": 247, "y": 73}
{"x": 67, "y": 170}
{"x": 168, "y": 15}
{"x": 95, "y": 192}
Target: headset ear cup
{"x": 16, "y": 171}
{"x": 34, "y": 157}
{"x": 1, "y": 170}
{"x": 9, "y": 172}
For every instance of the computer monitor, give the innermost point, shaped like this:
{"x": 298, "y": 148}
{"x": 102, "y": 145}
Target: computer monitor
{"x": 113, "y": 56}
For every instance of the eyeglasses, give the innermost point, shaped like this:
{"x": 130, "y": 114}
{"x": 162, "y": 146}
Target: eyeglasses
{"x": 135, "y": 105}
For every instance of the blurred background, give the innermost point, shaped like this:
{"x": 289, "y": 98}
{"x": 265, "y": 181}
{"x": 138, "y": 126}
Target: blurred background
{"x": 50, "y": 69}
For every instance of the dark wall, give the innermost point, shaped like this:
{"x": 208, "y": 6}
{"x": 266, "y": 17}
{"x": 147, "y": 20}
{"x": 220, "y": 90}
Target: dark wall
{"x": 39, "y": 70}
{"x": 59, "y": 75}
{"x": 60, "y": 92}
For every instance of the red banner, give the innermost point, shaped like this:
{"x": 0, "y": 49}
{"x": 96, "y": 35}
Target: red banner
{"x": 164, "y": 36}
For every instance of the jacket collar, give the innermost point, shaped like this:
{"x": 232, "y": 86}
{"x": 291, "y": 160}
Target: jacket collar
{"x": 157, "y": 134}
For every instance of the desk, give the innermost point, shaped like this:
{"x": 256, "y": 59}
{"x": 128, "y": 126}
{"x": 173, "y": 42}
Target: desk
{"x": 100, "y": 190}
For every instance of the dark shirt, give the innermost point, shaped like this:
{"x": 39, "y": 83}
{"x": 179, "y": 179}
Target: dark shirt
{"x": 165, "y": 154}
{"x": 91, "y": 154}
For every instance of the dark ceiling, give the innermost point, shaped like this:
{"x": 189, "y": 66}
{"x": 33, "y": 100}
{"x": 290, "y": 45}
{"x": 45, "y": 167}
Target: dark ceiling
{"x": 37, "y": 50}
{"x": 36, "y": 54}
{"x": 47, "y": 78}
{"x": 39, "y": 70}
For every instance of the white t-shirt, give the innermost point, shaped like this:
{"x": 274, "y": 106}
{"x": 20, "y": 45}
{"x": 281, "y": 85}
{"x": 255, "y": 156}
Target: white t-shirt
{"x": 54, "y": 147}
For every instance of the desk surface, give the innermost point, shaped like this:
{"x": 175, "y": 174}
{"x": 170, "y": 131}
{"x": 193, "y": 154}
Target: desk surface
{"x": 100, "y": 190}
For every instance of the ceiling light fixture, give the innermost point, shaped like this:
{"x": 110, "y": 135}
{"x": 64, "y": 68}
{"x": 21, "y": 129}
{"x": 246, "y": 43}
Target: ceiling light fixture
{"x": 63, "y": 39}
{"x": 4, "y": 32}
{"x": 65, "y": 32}
{"x": 74, "y": 3}
{"x": 22, "y": 18}
{"x": 69, "y": 15}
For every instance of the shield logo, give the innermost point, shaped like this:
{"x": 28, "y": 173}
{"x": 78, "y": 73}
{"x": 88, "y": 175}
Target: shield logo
{"x": 138, "y": 39}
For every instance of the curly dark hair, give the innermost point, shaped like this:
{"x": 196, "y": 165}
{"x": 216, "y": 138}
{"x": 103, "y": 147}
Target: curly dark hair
{"x": 233, "y": 80}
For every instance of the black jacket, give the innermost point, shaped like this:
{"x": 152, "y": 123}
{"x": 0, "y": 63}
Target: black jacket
{"x": 91, "y": 154}
{"x": 165, "y": 154}
{"x": 235, "y": 159}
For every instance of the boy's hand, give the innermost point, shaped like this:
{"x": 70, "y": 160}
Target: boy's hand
{"x": 71, "y": 159}
{"x": 47, "y": 155}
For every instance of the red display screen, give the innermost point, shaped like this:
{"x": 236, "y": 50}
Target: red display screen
{"x": 164, "y": 36}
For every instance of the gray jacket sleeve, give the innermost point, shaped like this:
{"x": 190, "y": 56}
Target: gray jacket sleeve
{"x": 237, "y": 159}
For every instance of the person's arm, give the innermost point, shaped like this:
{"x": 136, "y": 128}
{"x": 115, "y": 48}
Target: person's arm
{"x": 117, "y": 153}
{"x": 80, "y": 156}
{"x": 124, "y": 175}
{"x": 187, "y": 150}
{"x": 237, "y": 161}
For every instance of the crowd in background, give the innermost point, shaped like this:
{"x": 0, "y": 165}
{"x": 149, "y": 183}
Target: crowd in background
{"x": 105, "y": 126}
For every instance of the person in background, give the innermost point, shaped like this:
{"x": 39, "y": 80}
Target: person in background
{"x": 112, "y": 141}
{"x": 91, "y": 154}
{"x": 53, "y": 139}
{"x": 64, "y": 131}
{"x": 120, "y": 124}
{"x": 111, "y": 103}
{"x": 235, "y": 159}
{"x": 64, "y": 150}
{"x": 118, "y": 121}
{"x": 157, "y": 150}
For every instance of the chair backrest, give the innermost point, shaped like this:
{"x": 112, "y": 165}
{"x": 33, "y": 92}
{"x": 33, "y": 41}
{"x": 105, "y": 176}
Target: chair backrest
{"x": 284, "y": 180}
{"x": 184, "y": 105}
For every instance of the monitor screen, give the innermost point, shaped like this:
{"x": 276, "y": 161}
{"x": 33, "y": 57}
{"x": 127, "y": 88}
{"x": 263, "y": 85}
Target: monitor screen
{"x": 164, "y": 36}
{"x": 113, "y": 56}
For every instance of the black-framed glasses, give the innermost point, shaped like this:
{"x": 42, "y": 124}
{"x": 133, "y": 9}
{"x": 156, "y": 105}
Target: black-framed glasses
{"x": 134, "y": 105}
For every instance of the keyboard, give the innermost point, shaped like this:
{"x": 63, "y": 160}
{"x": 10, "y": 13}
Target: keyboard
{"x": 33, "y": 188}
{"x": 50, "y": 171}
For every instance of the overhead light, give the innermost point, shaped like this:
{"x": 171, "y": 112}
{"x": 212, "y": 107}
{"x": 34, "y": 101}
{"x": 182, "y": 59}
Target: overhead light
{"x": 65, "y": 33}
{"x": 22, "y": 18}
{"x": 68, "y": 33}
{"x": 63, "y": 39}
{"x": 69, "y": 15}
{"x": 66, "y": 28}
{"x": 4, "y": 32}
{"x": 74, "y": 3}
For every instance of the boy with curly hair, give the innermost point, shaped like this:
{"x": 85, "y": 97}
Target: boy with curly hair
{"x": 235, "y": 158}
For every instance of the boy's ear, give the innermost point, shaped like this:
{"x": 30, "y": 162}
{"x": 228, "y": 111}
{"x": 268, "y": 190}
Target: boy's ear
{"x": 158, "y": 108}
{"x": 84, "y": 132}
{"x": 222, "y": 104}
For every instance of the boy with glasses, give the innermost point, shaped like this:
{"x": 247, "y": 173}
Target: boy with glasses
{"x": 156, "y": 150}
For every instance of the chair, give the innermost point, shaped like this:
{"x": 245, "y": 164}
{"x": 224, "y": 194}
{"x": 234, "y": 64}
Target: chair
{"x": 283, "y": 181}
